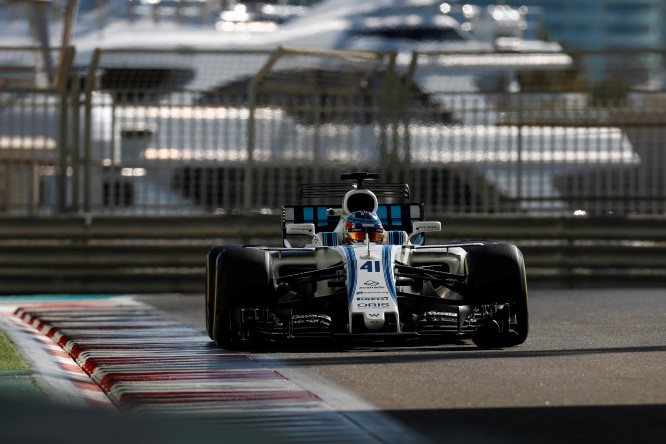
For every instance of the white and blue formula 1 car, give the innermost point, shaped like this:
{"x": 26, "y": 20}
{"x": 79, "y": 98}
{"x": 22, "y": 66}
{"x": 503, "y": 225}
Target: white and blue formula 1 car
{"x": 365, "y": 272}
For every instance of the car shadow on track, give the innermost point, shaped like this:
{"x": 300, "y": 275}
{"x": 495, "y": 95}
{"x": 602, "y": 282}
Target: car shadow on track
{"x": 392, "y": 354}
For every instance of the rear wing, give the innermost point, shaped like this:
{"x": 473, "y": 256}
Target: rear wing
{"x": 397, "y": 192}
{"x": 398, "y": 217}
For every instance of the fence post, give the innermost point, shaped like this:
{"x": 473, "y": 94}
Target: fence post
{"x": 385, "y": 160}
{"x": 75, "y": 144}
{"x": 86, "y": 161}
{"x": 318, "y": 106}
{"x": 63, "y": 149}
{"x": 251, "y": 133}
{"x": 405, "y": 107}
{"x": 519, "y": 160}
{"x": 65, "y": 84}
{"x": 396, "y": 111}
{"x": 519, "y": 166}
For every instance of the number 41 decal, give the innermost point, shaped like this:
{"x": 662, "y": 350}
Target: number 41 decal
{"x": 368, "y": 266}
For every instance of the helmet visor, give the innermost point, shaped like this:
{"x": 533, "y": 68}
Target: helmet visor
{"x": 359, "y": 236}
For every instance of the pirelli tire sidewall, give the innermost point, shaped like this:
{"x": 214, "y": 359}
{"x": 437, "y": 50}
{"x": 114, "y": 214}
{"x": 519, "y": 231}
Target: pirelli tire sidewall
{"x": 243, "y": 280}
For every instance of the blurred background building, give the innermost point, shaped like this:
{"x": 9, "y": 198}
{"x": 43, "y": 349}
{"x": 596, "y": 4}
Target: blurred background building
{"x": 598, "y": 24}
{"x": 577, "y": 25}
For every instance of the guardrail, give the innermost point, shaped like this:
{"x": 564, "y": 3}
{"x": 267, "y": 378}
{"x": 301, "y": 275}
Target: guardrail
{"x": 75, "y": 254}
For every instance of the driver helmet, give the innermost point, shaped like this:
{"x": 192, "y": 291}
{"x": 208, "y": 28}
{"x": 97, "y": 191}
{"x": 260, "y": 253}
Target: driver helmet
{"x": 360, "y": 224}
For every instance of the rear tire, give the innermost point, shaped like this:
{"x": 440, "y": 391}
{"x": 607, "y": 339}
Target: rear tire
{"x": 243, "y": 280}
{"x": 211, "y": 272}
{"x": 496, "y": 275}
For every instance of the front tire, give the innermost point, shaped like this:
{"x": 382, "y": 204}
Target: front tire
{"x": 243, "y": 280}
{"x": 496, "y": 275}
{"x": 211, "y": 274}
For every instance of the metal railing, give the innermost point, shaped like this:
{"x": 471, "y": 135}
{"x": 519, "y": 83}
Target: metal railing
{"x": 222, "y": 132}
{"x": 158, "y": 254}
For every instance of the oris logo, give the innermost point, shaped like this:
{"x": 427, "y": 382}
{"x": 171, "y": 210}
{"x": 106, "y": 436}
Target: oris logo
{"x": 373, "y": 305}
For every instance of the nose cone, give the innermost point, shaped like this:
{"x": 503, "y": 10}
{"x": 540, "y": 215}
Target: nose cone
{"x": 374, "y": 320}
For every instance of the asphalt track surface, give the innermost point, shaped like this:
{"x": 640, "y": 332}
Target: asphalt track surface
{"x": 593, "y": 368}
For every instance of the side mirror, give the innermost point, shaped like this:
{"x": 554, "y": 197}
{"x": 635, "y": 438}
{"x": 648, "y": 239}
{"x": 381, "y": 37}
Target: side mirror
{"x": 423, "y": 226}
{"x": 303, "y": 230}
{"x": 334, "y": 211}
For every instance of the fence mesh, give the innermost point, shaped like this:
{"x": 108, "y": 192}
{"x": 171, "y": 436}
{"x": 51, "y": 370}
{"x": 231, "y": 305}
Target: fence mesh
{"x": 34, "y": 128}
{"x": 170, "y": 132}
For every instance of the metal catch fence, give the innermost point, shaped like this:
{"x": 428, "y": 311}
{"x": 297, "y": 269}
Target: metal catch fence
{"x": 150, "y": 132}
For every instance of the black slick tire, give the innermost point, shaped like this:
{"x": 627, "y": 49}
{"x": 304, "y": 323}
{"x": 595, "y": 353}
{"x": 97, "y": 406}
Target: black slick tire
{"x": 496, "y": 275}
{"x": 211, "y": 271}
{"x": 243, "y": 280}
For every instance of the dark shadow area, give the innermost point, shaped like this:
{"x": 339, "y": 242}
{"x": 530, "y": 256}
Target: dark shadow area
{"x": 388, "y": 354}
{"x": 24, "y": 422}
{"x": 29, "y": 423}
{"x": 324, "y": 345}
{"x": 594, "y": 424}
